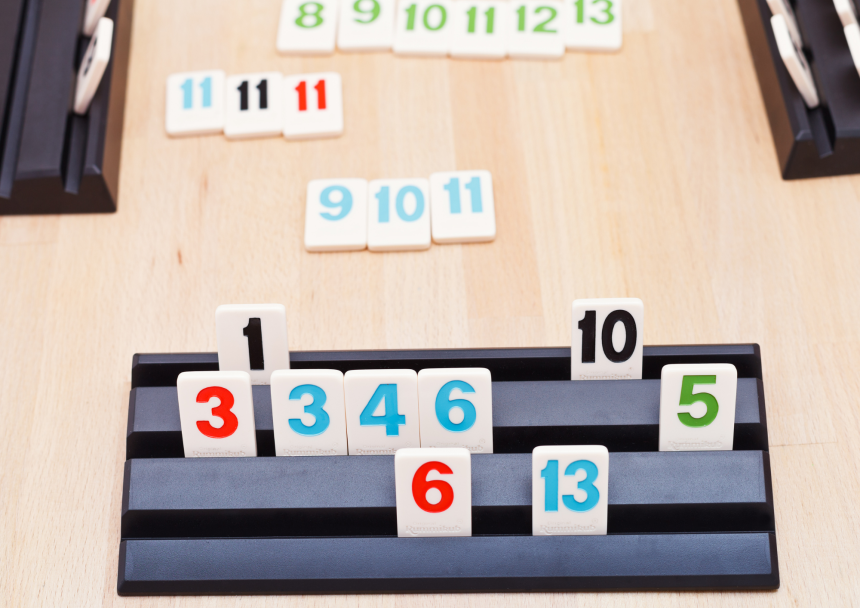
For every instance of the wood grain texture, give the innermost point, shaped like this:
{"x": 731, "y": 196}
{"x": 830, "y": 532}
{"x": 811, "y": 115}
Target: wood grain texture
{"x": 647, "y": 173}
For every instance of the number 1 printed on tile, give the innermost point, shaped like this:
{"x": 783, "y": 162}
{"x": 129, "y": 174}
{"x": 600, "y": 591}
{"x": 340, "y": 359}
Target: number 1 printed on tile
{"x": 252, "y": 338}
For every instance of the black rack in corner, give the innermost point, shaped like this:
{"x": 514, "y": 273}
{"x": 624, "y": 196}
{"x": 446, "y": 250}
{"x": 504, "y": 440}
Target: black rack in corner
{"x": 52, "y": 160}
{"x": 823, "y": 141}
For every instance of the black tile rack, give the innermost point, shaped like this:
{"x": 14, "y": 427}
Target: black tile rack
{"x": 52, "y": 160}
{"x": 823, "y": 141}
{"x": 677, "y": 520}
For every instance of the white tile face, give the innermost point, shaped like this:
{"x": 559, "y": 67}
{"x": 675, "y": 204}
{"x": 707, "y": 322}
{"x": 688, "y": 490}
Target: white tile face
{"x": 433, "y": 492}
{"x": 784, "y": 10}
{"x": 697, "y": 407}
{"x": 254, "y": 105}
{"x": 308, "y": 412}
{"x": 423, "y": 28}
{"x": 570, "y": 490}
{"x": 795, "y": 62}
{"x": 195, "y": 103}
{"x": 366, "y": 25}
{"x": 535, "y": 30}
{"x": 462, "y": 207}
{"x": 852, "y": 35}
{"x": 252, "y": 338}
{"x": 216, "y": 414}
{"x": 607, "y": 339}
{"x": 455, "y": 407}
{"x": 398, "y": 215}
{"x": 307, "y": 27}
{"x": 93, "y": 65}
{"x": 314, "y": 105}
{"x": 847, "y": 11}
{"x": 95, "y": 10}
{"x": 593, "y": 25}
{"x": 479, "y": 29}
{"x": 381, "y": 411}
{"x": 336, "y": 215}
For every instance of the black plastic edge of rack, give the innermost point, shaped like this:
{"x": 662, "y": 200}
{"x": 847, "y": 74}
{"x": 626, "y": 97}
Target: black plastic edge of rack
{"x": 448, "y": 565}
{"x": 819, "y": 142}
{"x": 87, "y": 179}
{"x": 505, "y": 364}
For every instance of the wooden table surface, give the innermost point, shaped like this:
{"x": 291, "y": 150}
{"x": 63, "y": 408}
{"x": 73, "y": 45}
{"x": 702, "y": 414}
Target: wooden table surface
{"x": 647, "y": 173}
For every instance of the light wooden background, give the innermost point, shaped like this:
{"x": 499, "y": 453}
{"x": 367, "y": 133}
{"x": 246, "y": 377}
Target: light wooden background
{"x": 647, "y": 173}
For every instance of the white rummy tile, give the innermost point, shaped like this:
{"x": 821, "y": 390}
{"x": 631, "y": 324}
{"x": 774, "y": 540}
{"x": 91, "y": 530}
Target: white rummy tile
{"x": 462, "y": 207}
{"x": 570, "y": 490}
{"x": 433, "y": 492}
{"x": 607, "y": 339}
{"x": 252, "y": 338}
{"x": 336, "y": 215}
{"x": 423, "y": 28}
{"x": 398, "y": 215}
{"x": 195, "y": 103}
{"x": 254, "y": 105}
{"x": 479, "y": 29}
{"x": 535, "y": 30}
{"x": 593, "y": 25}
{"x": 366, "y": 25}
{"x": 314, "y": 105}
{"x": 381, "y": 410}
{"x": 216, "y": 414}
{"x": 307, "y": 27}
{"x": 852, "y": 35}
{"x": 784, "y": 10}
{"x": 96, "y": 9}
{"x": 795, "y": 62}
{"x": 847, "y": 11}
{"x": 93, "y": 65}
{"x": 308, "y": 412}
{"x": 697, "y": 407}
{"x": 455, "y": 407}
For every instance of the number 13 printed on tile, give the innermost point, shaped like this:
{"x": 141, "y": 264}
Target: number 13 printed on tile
{"x": 593, "y": 25}
{"x": 570, "y": 490}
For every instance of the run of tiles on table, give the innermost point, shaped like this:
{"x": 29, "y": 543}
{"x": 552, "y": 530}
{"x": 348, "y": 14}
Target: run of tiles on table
{"x": 400, "y": 214}
{"x": 482, "y": 29}
{"x": 433, "y": 420}
{"x": 262, "y": 104}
